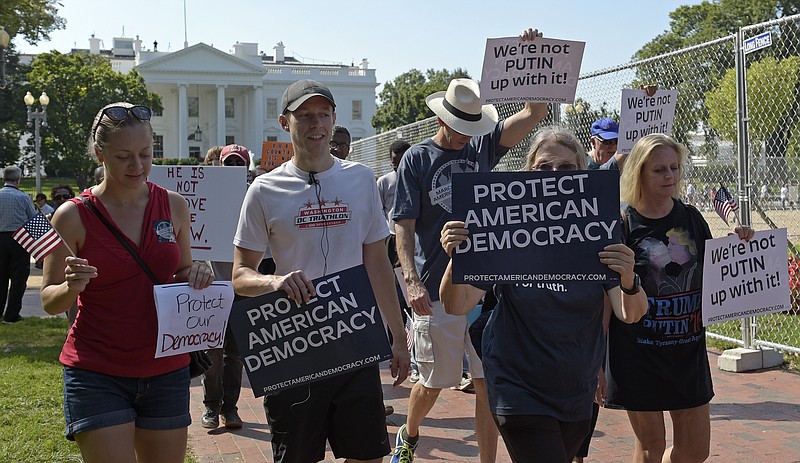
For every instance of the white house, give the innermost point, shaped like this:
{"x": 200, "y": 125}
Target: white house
{"x": 212, "y": 97}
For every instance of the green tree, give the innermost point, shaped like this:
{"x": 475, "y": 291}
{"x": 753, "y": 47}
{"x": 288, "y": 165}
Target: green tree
{"x": 403, "y": 100}
{"x": 773, "y": 90}
{"x": 696, "y": 73}
{"x": 79, "y": 85}
{"x": 34, "y": 20}
{"x": 12, "y": 115}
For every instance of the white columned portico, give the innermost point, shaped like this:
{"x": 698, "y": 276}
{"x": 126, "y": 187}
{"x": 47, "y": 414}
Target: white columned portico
{"x": 258, "y": 119}
{"x": 220, "y": 116}
{"x": 183, "y": 122}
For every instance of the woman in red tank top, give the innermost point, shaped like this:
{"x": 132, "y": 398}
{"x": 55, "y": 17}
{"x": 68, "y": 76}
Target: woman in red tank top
{"x": 121, "y": 403}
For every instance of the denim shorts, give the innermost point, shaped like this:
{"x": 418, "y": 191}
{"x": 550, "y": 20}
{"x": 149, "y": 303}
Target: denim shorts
{"x": 94, "y": 400}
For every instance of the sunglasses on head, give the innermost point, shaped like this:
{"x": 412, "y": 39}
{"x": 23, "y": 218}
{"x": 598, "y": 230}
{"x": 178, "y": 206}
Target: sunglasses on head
{"x": 120, "y": 113}
{"x": 610, "y": 141}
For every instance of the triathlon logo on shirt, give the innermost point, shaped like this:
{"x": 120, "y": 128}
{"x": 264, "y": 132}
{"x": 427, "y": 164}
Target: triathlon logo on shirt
{"x": 442, "y": 183}
{"x": 164, "y": 231}
{"x": 323, "y": 213}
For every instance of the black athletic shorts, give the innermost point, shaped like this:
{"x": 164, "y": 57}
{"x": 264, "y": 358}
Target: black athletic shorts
{"x": 346, "y": 410}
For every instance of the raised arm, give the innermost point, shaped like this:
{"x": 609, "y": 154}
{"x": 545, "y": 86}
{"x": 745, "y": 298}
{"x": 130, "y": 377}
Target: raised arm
{"x": 519, "y": 125}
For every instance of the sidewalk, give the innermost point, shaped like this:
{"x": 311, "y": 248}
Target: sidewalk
{"x": 755, "y": 417}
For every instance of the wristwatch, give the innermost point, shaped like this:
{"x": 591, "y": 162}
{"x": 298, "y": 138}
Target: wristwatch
{"x": 637, "y": 284}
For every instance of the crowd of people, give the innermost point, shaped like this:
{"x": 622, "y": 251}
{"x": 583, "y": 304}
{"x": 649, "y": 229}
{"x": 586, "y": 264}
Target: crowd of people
{"x": 547, "y": 359}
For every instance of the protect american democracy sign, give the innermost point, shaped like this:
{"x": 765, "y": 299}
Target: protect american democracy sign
{"x": 527, "y": 227}
{"x": 285, "y": 344}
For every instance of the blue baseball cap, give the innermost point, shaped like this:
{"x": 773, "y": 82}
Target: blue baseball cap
{"x": 605, "y": 128}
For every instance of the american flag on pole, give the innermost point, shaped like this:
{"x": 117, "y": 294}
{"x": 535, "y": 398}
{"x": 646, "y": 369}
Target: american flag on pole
{"x": 38, "y": 237}
{"x": 724, "y": 203}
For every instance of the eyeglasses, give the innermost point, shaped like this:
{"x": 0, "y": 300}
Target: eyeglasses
{"x": 120, "y": 113}
{"x": 337, "y": 145}
{"x": 609, "y": 142}
{"x": 545, "y": 167}
{"x": 60, "y": 197}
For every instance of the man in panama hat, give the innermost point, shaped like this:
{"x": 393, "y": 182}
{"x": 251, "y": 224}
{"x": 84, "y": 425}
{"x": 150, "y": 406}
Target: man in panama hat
{"x": 470, "y": 139}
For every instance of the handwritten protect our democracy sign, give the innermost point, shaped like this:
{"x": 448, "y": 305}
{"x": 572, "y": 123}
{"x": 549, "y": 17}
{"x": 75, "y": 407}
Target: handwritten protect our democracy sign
{"x": 527, "y": 227}
{"x": 285, "y": 344}
{"x": 214, "y": 195}
{"x": 191, "y": 319}
{"x": 745, "y": 278}
{"x": 642, "y": 115}
{"x": 542, "y": 70}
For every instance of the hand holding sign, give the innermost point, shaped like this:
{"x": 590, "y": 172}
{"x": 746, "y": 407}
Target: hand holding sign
{"x": 453, "y": 234}
{"x": 530, "y": 68}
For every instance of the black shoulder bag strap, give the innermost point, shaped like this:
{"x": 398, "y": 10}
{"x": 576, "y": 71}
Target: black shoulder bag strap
{"x": 118, "y": 235}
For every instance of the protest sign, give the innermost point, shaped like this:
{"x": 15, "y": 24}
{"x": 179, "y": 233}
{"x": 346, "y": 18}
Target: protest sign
{"x": 275, "y": 153}
{"x": 285, "y": 344}
{"x": 642, "y": 115}
{"x": 191, "y": 319}
{"x": 527, "y": 227}
{"x": 542, "y": 70}
{"x": 214, "y": 195}
{"x": 745, "y": 278}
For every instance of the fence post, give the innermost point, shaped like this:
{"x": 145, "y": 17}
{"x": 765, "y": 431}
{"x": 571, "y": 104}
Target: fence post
{"x": 743, "y": 144}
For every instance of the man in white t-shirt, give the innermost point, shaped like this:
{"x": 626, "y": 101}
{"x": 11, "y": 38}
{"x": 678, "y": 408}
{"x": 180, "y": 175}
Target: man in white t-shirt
{"x": 347, "y": 409}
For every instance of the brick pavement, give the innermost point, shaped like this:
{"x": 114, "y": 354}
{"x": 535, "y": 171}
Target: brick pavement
{"x": 755, "y": 418}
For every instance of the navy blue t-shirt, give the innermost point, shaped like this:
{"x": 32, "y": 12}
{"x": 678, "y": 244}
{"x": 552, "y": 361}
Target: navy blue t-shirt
{"x": 424, "y": 193}
{"x": 543, "y": 347}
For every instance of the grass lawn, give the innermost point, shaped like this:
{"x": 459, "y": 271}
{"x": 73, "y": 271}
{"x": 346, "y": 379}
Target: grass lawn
{"x": 28, "y": 185}
{"x": 31, "y": 413}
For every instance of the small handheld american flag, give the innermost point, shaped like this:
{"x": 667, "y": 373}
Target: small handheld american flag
{"x": 724, "y": 203}
{"x": 38, "y": 237}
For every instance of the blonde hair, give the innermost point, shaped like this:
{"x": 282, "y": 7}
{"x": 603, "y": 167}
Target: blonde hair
{"x": 630, "y": 188}
{"x": 558, "y": 135}
{"x": 213, "y": 154}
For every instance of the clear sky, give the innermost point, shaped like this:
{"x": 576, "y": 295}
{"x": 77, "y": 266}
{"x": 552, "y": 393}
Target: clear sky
{"x": 394, "y": 36}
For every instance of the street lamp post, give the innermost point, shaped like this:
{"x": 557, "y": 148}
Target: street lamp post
{"x": 5, "y": 40}
{"x": 37, "y": 119}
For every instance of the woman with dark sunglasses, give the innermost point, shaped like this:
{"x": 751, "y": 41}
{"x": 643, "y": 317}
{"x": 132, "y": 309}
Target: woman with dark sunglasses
{"x": 120, "y": 402}
{"x": 61, "y": 194}
{"x": 543, "y": 344}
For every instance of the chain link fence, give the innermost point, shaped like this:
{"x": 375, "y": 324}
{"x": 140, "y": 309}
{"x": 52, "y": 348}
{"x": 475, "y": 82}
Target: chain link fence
{"x": 762, "y": 136}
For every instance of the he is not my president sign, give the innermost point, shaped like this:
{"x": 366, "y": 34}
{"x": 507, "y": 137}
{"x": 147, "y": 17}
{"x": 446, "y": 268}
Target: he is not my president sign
{"x": 285, "y": 344}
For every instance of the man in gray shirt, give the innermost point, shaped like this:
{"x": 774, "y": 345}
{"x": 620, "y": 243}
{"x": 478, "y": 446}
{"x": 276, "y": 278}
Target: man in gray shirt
{"x": 16, "y": 208}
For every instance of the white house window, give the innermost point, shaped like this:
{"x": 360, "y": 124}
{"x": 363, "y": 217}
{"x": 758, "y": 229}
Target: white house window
{"x": 194, "y": 152}
{"x": 229, "y": 140}
{"x": 230, "y": 109}
{"x": 272, "y": 108}
{"x": 158, "y": 146}
{"x": 193, "y": 106}
{"x": 356, "y": 110}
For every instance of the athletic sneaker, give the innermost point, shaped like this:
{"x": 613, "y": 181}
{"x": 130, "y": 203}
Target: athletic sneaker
{"x": 404, "y": 450}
